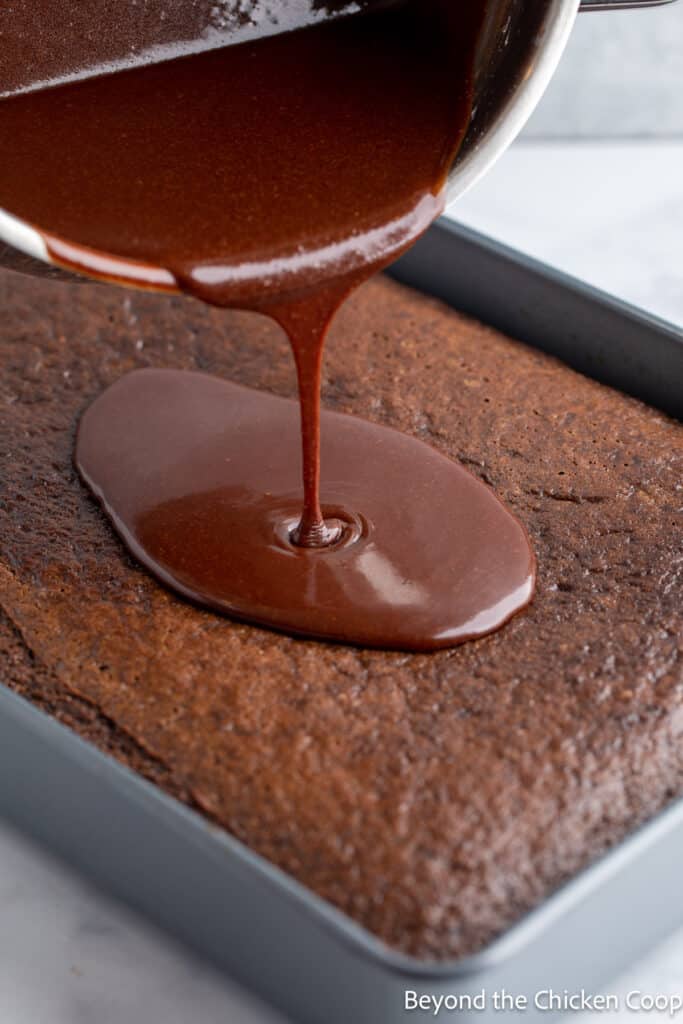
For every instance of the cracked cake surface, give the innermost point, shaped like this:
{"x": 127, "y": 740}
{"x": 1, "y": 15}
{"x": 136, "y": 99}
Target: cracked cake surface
{"x": 434, "y": 798}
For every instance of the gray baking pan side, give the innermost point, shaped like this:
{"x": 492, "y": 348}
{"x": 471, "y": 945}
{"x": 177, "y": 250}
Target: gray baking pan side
{"x": 259, "y": 925}
{"x": 275, "y": 936}
{"x": 594, "y": 333}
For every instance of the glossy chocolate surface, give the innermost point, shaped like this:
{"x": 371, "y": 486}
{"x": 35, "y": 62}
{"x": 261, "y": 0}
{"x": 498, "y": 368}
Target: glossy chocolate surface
{"x": 275, "y": 175}
{"x": 201, "y": 478}
{"x": 256, "y": 169}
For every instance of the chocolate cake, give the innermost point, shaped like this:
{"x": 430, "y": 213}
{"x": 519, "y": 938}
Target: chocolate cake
{"x": 434, "y": 798}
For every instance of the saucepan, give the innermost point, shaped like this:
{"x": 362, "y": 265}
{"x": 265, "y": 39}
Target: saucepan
{"x": 520, "y": 48}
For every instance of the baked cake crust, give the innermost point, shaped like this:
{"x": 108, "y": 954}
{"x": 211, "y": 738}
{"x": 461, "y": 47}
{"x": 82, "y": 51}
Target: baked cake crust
{"x": 434, "y": 798}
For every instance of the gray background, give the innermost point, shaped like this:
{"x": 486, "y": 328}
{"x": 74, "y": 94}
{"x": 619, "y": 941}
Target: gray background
{"x": 621, "y": 76}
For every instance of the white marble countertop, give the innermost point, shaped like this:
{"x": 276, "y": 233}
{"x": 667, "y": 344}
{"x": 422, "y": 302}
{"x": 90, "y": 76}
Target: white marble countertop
{"x": 611, "y": 213}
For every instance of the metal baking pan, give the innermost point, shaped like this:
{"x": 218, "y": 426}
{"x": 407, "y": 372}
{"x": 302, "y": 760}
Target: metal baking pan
{"x": 252, "y": 920}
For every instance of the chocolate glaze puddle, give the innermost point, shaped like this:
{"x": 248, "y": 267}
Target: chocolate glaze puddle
{"x": 276, "y": 175}
{"x": 202, "y": 479}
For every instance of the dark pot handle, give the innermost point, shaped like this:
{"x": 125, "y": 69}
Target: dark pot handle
{"x": 619, "y": 5}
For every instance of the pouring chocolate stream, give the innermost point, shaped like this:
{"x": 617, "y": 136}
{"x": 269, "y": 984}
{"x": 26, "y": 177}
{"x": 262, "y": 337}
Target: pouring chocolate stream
{"x": 275, "y": 175}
